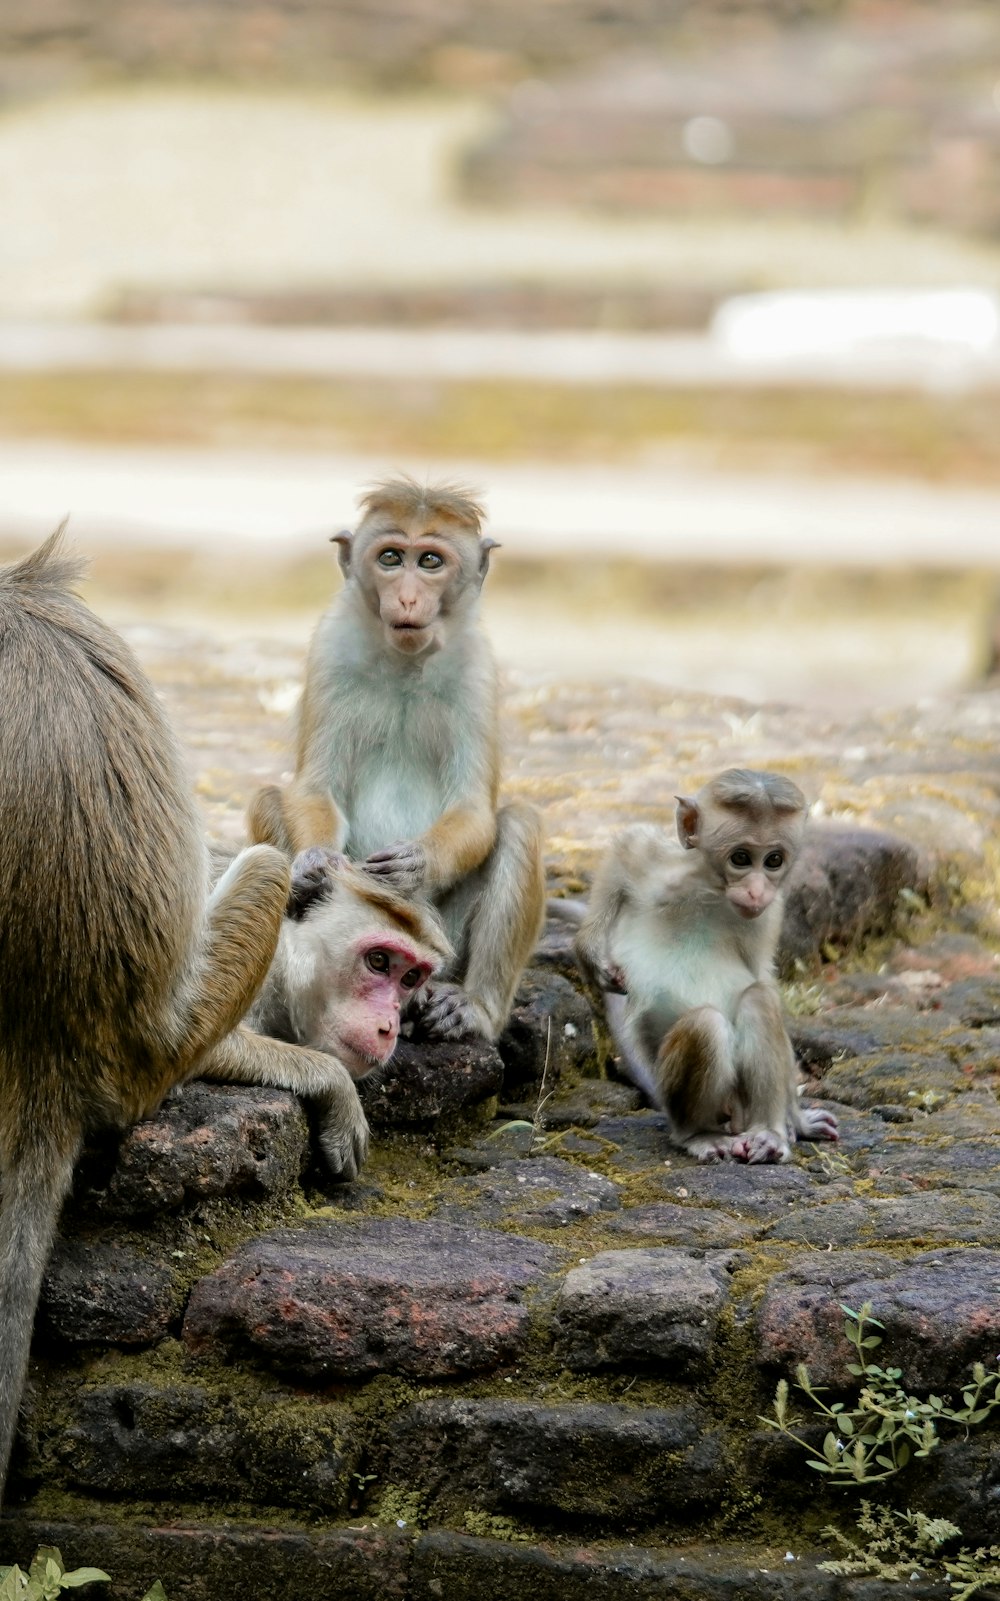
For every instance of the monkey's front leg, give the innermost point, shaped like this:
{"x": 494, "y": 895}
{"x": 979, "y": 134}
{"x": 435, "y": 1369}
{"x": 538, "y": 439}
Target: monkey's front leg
{"x": 765, "y": 1067}
{"x": 458, "y": 842}
{"x": 245, "y": 1058}
{"x": 403, "y": 866}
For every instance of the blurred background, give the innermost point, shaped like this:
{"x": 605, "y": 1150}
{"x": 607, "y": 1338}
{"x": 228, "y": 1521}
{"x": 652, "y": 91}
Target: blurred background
{"x": 704, "y": 297}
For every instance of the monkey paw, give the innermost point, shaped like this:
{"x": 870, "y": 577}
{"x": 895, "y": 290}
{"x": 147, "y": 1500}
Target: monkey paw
{"x": 761, "y": 1145}
{"x": 710, "y": 1147}
{"x": 313, "y": 873}
{"x": 402, "y": 867}
{"x": 816, "y": 1123}
{"x": 446, "y": 1012}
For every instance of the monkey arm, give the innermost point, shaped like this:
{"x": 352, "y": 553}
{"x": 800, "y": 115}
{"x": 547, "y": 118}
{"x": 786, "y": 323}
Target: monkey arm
{"x": 454, "y": 846}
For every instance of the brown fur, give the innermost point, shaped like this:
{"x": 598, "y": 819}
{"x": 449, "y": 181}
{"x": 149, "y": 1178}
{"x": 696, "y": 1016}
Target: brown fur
{"x": 405, "y": 498}
{"x": 118, "y": 978}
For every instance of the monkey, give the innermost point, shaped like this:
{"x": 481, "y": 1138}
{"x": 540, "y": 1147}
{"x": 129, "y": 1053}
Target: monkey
{"x": 397, "y": 761}
{"x": 120, "y": 974}
{"x": 350, "y": 953}
{"x": 683, "y": 946}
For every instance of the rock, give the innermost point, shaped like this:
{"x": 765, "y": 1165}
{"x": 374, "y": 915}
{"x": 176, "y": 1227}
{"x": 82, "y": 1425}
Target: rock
{"x": 541, "y": 1191}
{"x": 969, "y": 1165}
{"x": 186, "y": 1442}
{"x": 550, "y": 1032}
{"x": 338, "y": 1300}
{"x": 949, "y": 1218}
{"x": 624, "y": 1308}
{"x": 207, "y": 1140}
{"x": 447, "y": 1565}
{"x": 636, "y": 1141}
{"x": 869, "y": 1081}
{"x": 215, "y": 1562}
{"x": 105, "y": 1293}
{"x": 765, "y": 1192}
{"x": 845, "y": 886}
{"x": 975, "y": 1001}
{"x": 941, "y": 1312}
{"x": 518, "y": 1456}
{"x": 960, "y": 1481}
{"x": 673, "y": 1224}
{"x": 432, "y": 1084}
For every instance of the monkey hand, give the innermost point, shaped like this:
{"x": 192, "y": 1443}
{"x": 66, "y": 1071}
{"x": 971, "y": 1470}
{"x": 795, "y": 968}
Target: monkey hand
{"x": 446, "y": 1012}
{"x": 403, "y": 867}
{"x": 313, "y": 872}
{"x": 342, "y": 1126}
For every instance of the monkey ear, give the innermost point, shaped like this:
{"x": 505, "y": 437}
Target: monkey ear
{"x": 688, "y": 818}
{"x": 485, "y": 546}
{"x": 313, "y": 874}
{"x": 345, "y": 539}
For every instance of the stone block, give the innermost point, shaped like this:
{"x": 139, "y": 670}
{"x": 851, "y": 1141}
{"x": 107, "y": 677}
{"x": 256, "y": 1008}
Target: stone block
{"x": 845, "y": 886}
{"x": 948, "y": 1218}
{"x": 607, "y": 1463}
{"x": 340, "y": 1300}
{"x": 941, "y": 1312}
{"x": 541, "y": 1191}
{"x": 669, "y": 1223}
{"x": 188, "y": 1443}
{"x": 428, "y": 1084}
{"x": 105, "y": 1293}
{"x": 550, "y": 1031}
{"x": 657, "y": 1306}
{"x": 206, "y": 1140}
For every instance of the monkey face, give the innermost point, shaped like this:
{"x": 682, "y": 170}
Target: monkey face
{"x": 753, "y": 874}
{"x": 412, "y": 580}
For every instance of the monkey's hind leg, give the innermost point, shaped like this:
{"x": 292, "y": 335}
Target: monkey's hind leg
{"x": 765, "y": 1066}
{"x": 242, "y": 924}
{"x": 35, "y": 1176}
{"x": 501, "y": 929}
{"x": 697, "y": 1083}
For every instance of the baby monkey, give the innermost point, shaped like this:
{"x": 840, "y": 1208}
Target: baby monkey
{"x": 682, "y": 938}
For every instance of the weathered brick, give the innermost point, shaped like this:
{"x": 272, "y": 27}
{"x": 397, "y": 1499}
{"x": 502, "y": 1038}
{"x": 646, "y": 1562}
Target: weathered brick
{"x": 341, "y": 1300}
{"x": 540, "y": 1190}
{"x": 550, "y": 1032}
{"x": 429, "y": 1083}
{"x": 941, "y": 1312}
{"x": 104, "y": 1293}
{"x": 186, "y": 1442}
{"x": 540, "y": 1460}
{"x": 624, "y": 1308}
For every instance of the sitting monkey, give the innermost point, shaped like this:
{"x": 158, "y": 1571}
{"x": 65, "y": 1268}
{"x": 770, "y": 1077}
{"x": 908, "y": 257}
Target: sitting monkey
{"x": 398, "y": 748}
{"x": 682, "y": 939}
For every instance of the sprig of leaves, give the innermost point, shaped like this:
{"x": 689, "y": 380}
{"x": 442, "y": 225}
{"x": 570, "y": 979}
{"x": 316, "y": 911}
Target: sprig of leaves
{"x": 908, "y": 1545}
{"x": 46, "y": 1579}
{"x": 886, "y": 1427}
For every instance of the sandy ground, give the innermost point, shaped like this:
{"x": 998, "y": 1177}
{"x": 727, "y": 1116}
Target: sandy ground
{"x": 221, "y": 188}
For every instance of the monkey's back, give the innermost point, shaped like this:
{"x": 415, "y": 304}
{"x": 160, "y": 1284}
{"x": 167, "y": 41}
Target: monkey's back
{"x": 100, "y": 851}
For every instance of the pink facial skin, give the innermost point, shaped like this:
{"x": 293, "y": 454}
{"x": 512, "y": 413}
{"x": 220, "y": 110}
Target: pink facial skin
{"x": 752, "y": 895}
{"x": 385, "y": 971}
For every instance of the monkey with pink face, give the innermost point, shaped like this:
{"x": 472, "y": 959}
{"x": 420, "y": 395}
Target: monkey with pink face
{"x": 682, "y": 936}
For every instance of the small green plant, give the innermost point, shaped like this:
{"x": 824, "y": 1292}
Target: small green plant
{"x": 886, "y": 1426}
{"x": 46, "y": 1579}
{"x": 908, "y": 1545}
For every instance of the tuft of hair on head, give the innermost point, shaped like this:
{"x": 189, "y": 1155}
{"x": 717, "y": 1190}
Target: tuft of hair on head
{"x": 421, "y": 922}
{"x": 744, "y": 790}
{"x": 406, "y": 498}
{"x": 48, "y": 567}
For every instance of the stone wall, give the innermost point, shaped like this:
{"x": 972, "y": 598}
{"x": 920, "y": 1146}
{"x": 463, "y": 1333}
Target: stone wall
{"x": 528, "y": 1350}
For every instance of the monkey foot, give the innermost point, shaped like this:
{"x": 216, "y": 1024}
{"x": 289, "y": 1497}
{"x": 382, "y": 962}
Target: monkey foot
{"x": 710, "y": 1147}
{"x": 762, "y": 1145}
{"x": 816, "y": 1123}
{"x": 445, "y": 1012}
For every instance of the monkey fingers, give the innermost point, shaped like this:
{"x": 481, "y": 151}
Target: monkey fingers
{"x": 710, "y": 1147}
{"x": 448, "y": 1013}
{"x": 761, "y": 1145}
{"x": 342, "y": 1130}
{"x": 816, "y": 1123}
{"x": 403, "y": 867}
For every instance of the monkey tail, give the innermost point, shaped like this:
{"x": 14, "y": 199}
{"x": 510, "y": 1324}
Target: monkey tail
{"x": 48, "y": 567}
{"x": 34, "y": 1188}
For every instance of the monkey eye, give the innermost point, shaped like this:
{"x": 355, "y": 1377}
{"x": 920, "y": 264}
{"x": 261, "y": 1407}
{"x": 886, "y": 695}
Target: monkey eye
{"x": 740, "y": 858}
{"x": 430, "y": 561}
{"x": 390, "y": 558}
{"x": 378, "y": 961}
{"x": 412, "y": 978}
{"x": 773, "y": 860}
